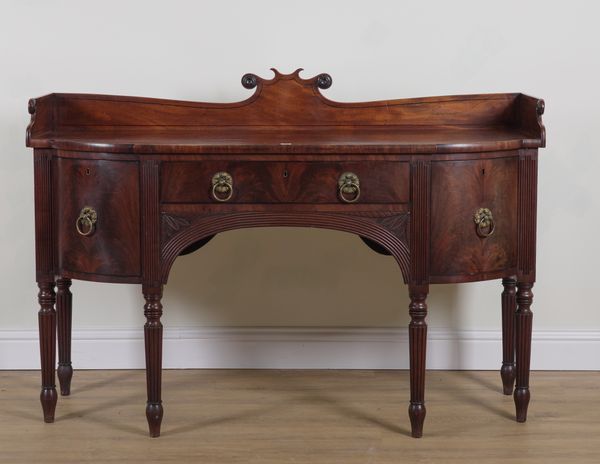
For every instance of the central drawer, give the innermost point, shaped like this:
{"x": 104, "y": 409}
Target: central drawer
{"x": 284, "y": 182}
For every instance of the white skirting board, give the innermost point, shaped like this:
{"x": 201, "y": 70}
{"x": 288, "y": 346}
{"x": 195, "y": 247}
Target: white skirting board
{"x": 304, "y": 348}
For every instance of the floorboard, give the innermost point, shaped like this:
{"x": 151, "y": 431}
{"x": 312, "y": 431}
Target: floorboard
{"x": 277, "y": 416}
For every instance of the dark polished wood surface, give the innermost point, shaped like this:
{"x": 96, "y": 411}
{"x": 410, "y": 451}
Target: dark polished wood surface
{"x": 241, "y": 139}
{"x": 112, "y": 187}
{"x": 445, "y": 185}
{"x": 284, "y": 182}
{"x": 458, "y": 189}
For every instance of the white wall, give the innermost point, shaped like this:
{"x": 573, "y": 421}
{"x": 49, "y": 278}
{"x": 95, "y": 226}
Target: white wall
{"x": 373, "y": 50}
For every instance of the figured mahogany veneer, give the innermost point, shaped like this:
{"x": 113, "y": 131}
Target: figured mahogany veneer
{"x": 112, "y": 188}
{"x": 458, "y": 188}
{"x": 445, "y": 185}
{"x": 284, "y": 182}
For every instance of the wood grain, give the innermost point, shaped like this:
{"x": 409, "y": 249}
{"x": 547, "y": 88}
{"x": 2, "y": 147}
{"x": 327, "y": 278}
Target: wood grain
{"x": 286, "y": 114}
{"x": 459, "y": 188}
{"x": 321, "y": 417}
{"x": 279, "y": 182}
{"x": 146, "y": 165}
{"x": 112, "y": 189}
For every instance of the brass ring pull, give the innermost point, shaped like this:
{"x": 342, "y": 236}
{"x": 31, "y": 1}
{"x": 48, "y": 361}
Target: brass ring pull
{"x": 86, "y": 222}
{"x": 484, "y": 220}
{"x": 349, "y": 187}
{"x": 222, "y": 186}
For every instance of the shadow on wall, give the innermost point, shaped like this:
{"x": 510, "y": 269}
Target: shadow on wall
{"x": 293, "y": 277}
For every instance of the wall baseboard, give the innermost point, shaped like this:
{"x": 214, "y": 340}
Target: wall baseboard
{"x": 304, "y": 348}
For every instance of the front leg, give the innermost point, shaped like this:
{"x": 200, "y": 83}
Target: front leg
{"x": 417, "y": 335}
{"x": 153, "y": 332}
{"x": 63, "y": 321}
{"x": 507, "y": 371}
{"x": 47, "y": 328}
{"x": 524, "y": 318}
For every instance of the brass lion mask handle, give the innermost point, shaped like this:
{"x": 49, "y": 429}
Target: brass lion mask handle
{"x": 484, "y": 221}
{"x": 86, "y": 222}
{"x": 222, "y": 186}
{"x": 349, "y": 187}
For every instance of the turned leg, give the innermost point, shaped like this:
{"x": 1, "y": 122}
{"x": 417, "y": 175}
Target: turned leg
{"x": 47, "y": 328}
{"x": 417, "y": 335}
{"x": 64, "y": 300}
{"x": 509, "y": 302}
{"x": 524, "y": 318}
{"x": 153, "y": 341}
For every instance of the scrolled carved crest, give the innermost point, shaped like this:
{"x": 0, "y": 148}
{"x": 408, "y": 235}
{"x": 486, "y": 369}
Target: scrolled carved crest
{"x": 322, "y": 81}
{"x": 249, "y": 81}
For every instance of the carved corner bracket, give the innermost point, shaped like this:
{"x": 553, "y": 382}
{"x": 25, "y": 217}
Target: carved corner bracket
{"x": 171, "y": 224}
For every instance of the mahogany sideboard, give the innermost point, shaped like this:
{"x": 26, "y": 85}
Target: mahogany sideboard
{"x": 445, "y": 185}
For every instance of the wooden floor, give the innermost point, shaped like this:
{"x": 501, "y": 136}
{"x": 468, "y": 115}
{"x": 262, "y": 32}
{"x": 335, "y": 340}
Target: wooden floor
{"x": 224, "y": 416}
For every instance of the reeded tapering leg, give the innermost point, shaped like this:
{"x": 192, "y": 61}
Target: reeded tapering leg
{"x": 417, "y": 335}
{"x": 64, "y": 300}
{"x": 524, "y": 318}
{"x": 47, "y": 328}
{"x": 509, "y": 303}
{"x": 153, "y": 341}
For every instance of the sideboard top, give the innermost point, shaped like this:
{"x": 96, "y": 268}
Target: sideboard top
{"x": 286, "y": 114}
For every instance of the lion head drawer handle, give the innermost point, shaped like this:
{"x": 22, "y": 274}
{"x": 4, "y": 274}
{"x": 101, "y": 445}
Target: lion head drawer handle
{"x": 485, "y": 222}
{"x": 222, "y": 186}
{"x": 86, "y": 222}
{"x": 349, "y": 187}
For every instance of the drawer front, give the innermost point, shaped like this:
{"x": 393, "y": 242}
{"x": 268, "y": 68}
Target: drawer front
{"x": 111, "y": 190}
{"x": 284, "y": 182}
{"x": 459, "y": 190}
